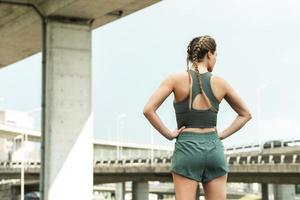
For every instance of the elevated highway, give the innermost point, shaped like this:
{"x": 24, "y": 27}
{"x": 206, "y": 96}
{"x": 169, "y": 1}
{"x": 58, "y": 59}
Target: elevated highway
{"x": 21, "y": 26}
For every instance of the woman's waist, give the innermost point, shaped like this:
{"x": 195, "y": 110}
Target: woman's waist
{"x": 199, "y": 130}
{"x": 209, "y": 135}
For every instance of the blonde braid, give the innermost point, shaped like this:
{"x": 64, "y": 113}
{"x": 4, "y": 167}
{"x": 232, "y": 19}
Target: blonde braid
{"x": 199, "y": 50}
{"x": 189, "y": 72}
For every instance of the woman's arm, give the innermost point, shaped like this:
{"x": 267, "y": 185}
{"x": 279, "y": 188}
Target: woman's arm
{"x": 239, "y": 106}
{"x": 157, "y": 98}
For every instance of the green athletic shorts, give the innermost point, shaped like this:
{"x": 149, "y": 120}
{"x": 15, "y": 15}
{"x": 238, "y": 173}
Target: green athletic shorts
{"x": 199, "y": 156}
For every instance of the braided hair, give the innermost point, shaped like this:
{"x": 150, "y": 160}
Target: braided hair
{"x": 196, "y": 50}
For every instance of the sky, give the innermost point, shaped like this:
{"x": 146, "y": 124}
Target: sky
{"x": 258, "y": 43}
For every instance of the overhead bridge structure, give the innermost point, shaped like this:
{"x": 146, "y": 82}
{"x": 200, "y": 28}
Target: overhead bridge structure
{"x": 61, "y": 30}
{"x": 271, "y": 165}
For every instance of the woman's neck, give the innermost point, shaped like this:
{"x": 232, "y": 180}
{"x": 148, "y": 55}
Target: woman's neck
{"x": 201, "y": 70}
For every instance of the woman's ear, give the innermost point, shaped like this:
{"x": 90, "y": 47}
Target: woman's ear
{"x": 209, "y": 54}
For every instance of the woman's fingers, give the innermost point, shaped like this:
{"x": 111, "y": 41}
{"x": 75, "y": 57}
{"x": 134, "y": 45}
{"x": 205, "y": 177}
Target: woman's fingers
{"x": 183, "y": 127}
{"x": 176, "y": 132}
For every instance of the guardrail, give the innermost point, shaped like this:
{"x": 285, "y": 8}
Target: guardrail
{"x": 232, "y": 160}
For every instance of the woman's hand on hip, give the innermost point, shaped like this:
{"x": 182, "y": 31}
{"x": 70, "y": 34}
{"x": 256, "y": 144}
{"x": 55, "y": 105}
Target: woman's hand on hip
{"x": 176, "y": 132}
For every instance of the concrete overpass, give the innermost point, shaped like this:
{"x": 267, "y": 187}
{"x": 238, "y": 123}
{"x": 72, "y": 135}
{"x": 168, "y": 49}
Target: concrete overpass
{"x": 283, "y": 173}
{"x": 21, "y": 25}
{"x": 270, "y": 169}
{"x": 278, "y": 165}
{"x": 61, "y": 30}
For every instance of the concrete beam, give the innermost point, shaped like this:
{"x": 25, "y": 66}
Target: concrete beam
{"x": 159, "y": 175}
{"x": 21, "y": 25}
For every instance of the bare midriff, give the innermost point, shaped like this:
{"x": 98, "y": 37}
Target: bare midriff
{"x": 199, "y": 130}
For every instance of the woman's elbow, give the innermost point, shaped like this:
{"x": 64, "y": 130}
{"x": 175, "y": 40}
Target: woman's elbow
{"x": 248, "y": 116}
{"x": 147, "y": 110}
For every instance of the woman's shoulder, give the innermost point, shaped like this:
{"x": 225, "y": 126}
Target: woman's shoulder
{"x": 179, "y": 74}
{"x": 183, "y": 74}
{"x": 219, "y": 80}
{"x": 176, "y": 75}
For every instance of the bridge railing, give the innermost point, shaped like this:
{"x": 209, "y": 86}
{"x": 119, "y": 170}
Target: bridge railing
{"x": 268, "y": 144}
{"x": 231, "y": 160}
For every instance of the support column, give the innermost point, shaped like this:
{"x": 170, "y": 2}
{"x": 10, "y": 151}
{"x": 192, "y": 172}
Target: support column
{"x": 284, "y": 192}
{"x": 264, "y": 191}
{"x": 120, "y": 190}
{"x": 160, "y": 196}
{"x": 248, "y": 187}
{"x": 140, "y": 190}
{"x": 67, "y": 170}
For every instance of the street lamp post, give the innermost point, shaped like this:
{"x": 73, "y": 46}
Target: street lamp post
{"x": 120, "y": 187}
{"x": 259, "y": 89}
{"x": 24, "y": 139}
{"x": 22, "y": 152}
{"x": 119, "y": 117}
{"x": 152, "y": 151}
{"x": 22, "y": 167}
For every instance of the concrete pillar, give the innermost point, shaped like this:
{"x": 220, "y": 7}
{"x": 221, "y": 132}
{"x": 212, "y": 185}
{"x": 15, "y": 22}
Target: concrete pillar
{"x": 140, "y": 190}
{"x": 68, "y": 139}
{"x": 264, "y": 191}
{"x": 160, "y": 196}
{"x": 6, "y": 192}
{"x": 120, "y": 190}
{"x": 248, "y": 187}
{"x": 284, "y": 192}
